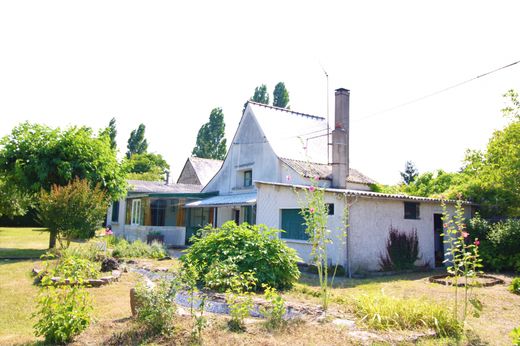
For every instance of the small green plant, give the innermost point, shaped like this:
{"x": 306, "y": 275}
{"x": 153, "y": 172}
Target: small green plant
{"x": 315, "y": 214}
{"x": 63, "y": 312}
{"x": 463, "y": 258}
{"x": 68, "y": 267}
{"x": 382, "y": 312}
{"x": 402, "y": 250}
{"x": 156, "y": 307}
{"x": 189, "y": 278}
{"x": 138, "y": 249}
{"x": 515, "y": 335}
{"x": 240, "y": 301}
{"x": 514, "y": 287}
{"x": 275, "y": 310}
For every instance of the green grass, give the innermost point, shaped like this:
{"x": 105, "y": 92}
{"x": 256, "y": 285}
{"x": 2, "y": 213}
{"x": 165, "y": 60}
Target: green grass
{"x": 23, "y": 242}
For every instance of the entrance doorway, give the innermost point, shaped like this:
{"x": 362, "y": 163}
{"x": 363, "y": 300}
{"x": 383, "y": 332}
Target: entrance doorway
{"x": 439, "y": 240}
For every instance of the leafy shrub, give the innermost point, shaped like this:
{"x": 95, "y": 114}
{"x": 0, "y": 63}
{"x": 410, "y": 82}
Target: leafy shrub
{"x": 72, "y": 211}
{"x": 275, "y": 310}
{"x": 384, "y": 313}
{"x": 63, "y": 313}
{"x": 402, "y": 250}
{"x": 138, "y": 249}
{"x": 499, "y": 246}
{"x": 156, "y": 307}
{"x": 244, "y": 248}
{"x": 515, "y": 286}
{"x": 90, "y": 251}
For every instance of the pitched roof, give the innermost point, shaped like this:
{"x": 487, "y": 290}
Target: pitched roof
{"x": 370, "y": 194}
{"x": 299, "y": 138}
{"x": 292, "y": 134}
{"x": 143, "y": 186}
{"x": 205, "y": 168}
{"x": 311, "y": 169}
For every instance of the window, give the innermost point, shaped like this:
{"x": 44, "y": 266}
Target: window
{"x": 248, "y": 178}
{"x": 136, "y": 212}
{"x": 330, "y": 208}
{"x": 411, "y": 210}
{"x": 158, "y": 211}
{"x": 249, "y": 214}
{"x": 115, "y": 211}
{"x": 293, "y": 224}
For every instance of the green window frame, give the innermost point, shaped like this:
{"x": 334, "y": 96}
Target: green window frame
{"x": 115, "y": 211}
{"x": 293, "y": 224}
{"x": 248, "y": 178}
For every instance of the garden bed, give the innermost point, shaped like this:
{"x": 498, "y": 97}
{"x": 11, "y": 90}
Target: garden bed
{"x": 480, "y": 281}
{"x": 105, "y": 280}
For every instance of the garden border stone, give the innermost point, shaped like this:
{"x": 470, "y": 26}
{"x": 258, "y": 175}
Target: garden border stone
{"x": 441, "y": 280}
{"x": 105, "y": 280}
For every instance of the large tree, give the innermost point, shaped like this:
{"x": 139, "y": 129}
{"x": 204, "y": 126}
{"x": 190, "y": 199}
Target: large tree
{"x": 280, "y": 96}
{"x": 137, "y": 144}
{"x": 112, "y": 133}
{"x": 410, "y": 172}
{"x": 261, "y": 95}
{"x": 147, "y": 166}
{"x": 35, "y": 157}
{"x": 211, "y": 143}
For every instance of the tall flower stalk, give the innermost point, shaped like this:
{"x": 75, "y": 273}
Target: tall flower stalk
{"x": 463, "y": 259}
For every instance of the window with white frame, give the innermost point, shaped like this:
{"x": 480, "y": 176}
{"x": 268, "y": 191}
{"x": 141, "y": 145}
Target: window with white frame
{"x": 136, "y": 212}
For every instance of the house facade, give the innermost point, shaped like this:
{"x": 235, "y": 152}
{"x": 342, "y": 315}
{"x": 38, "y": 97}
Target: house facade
{"x": 273, "y": 156}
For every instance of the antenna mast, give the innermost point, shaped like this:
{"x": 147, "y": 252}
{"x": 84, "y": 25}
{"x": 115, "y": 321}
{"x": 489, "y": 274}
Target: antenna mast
{"x": 328, "y": 126}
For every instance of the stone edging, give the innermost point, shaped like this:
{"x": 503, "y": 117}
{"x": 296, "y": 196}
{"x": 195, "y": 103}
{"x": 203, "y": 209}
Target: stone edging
{"x": 116, "y": 274}
{"x": 441, "y": 279}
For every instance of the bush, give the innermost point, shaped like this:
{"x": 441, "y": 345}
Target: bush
{"x": 156, "y": 307}
{"x": 386, "y": 313}
{"x": 515, "y": 286}
{"x": 515, "y": 335}
{"x": 243, "y": 248}
{"x": 90, "y": 251}
{"x": 499, "y": 245}
{"x": 70, "y": 267}
{"x": 275, "y": 309}
{"x": 63, "y": 313}
{"x": 72, "y": 211}
{"x": 138, "y": 249}
{"x": 402, "y": 250}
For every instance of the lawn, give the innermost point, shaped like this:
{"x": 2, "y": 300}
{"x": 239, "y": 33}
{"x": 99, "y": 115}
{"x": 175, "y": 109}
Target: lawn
{"x": 23, "y": 242}
{"x": 113, "y": 323}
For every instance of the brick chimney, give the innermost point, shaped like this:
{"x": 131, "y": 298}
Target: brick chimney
{"x": 340, "y": 137}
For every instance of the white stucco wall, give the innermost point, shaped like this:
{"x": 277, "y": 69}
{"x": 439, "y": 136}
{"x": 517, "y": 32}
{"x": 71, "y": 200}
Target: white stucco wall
{"x": 270, "y": 201}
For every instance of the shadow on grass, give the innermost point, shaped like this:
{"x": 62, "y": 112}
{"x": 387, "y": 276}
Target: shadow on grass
{"x": 8, "y": 253}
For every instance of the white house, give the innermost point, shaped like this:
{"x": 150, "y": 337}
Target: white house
{"x": 276, "y": 151}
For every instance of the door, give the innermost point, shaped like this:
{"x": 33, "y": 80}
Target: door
{"x": 439, "y": 239}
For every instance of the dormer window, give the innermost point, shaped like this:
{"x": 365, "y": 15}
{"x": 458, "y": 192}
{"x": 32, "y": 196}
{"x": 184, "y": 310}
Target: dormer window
{"x": 248, "y": 178}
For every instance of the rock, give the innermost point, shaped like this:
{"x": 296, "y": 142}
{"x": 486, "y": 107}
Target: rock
{"x": 107, "y": 279}
{"x": 133, "y": 301}
{"x": 95, "y": 282}
{"x": 344, "y": 323}
{"x": 165, "y": 258}
{"x": 109, "y": 264}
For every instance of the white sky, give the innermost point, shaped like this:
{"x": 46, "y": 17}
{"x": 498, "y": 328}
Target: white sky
{"x": 167, "y": 64}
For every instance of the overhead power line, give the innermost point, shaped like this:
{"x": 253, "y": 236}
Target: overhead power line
{"x": 436, "y": 92}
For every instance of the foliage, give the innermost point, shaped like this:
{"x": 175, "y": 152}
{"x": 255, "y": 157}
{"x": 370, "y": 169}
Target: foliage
{"x": 63, "y": 312}
{"x": 515, "y": 335}
{"x": 261, "y": 95}
{"x": 146, "y": 166}
{"x": 431, "y": 184}
{"x": 90, "y": 251}
{"x": 156, "y": 307}
{"x": 410, "y": 173}
{"x": 463, "y": 258}
{"x": 111, "y": 132}
{"x": 211, "y": 143}
{"x": 402, "y": 250}
{"x": 315, "y": 214}
{"x": 223, "y": 274}
{"x": 35, "y": 157}
{"x": 189, "y": 278}
{"x": 68, "y": 266}
{"x": 13, "y": 201}
{"x": 138, "y": 249}
{"x": 515, "y": 285}
{"x": 137, "y": 144}
{"x": 252, "y": 248}
{"x": 380, "y": 311}
{"x": 275, "y": 310}
{"x": 499, "y": 248}
{"x": 240, "y": 301}
{"x": 280, "y": 96}
{"x": 72, "y": 211}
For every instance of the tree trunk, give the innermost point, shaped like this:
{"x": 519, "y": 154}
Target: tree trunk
{"x": 52, "y": 239}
